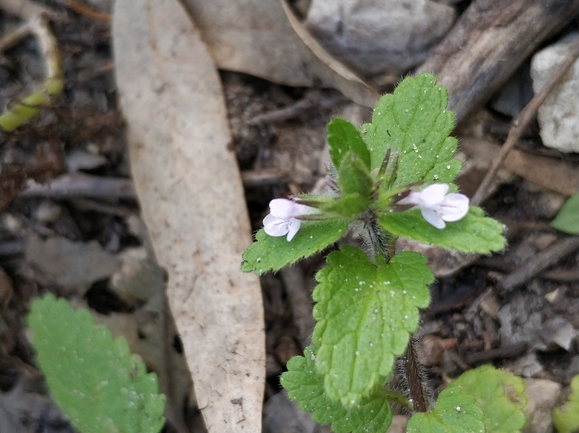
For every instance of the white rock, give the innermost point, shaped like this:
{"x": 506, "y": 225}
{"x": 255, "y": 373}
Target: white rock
{"x": 379, "y": 36}
{"x": 542, "y": 396}
{"x": 559, "y": 115}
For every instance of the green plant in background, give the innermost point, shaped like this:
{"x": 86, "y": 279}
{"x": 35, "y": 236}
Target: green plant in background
{"x": 390, "y": 178}
{"x": 567, "y": 220}
{"x": 29, "y": 106}
{"x": 566, "y": 419}
{"x": 93, "y": 378}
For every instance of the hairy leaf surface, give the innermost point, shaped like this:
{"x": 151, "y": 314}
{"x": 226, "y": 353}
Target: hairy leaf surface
{"x": 94, "y": 379}
{"x": 343, "y": 137}
{"x": 366, "y": 313}
{"x": 414, "y": 124}
{"x": 475, "y": 233}
{"x": 271, "y": 253}
{"x": 455, "y": 412}
{"x": 566, "y": 419}
{"x": 499, "y": 394}
{"x": 306, "y": 386}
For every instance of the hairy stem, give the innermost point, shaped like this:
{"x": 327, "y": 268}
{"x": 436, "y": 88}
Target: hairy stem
{"x": 384, "y": 244}
{"x": 411, "y": 369}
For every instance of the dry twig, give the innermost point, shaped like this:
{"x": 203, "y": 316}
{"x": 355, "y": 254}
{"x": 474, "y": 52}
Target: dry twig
{"x": 88, "y": 12}
{"x": 539, "y": 262}
{"x": 522, "y": 121}
{"x": 488, "y": 43}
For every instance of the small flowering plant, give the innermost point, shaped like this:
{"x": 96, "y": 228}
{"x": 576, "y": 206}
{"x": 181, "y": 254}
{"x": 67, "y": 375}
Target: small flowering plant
{"x": 390, "y": 178}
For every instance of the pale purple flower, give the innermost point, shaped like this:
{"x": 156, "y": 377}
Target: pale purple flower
{"x": 284, "y": 217}
{"x": 437, "y": 206}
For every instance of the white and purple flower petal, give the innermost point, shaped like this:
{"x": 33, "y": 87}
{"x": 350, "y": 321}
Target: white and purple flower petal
{"x": 436, "y": 206}
{"x": 284, "y": 217}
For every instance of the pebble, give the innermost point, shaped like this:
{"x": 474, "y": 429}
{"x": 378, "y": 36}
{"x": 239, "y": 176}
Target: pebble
{"x": 559, "y": 115}
{"x": 542, "y": 395}
{"x": 378, "y": 37}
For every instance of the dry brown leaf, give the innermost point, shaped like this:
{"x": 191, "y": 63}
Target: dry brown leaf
{"x": 57, "y": 260}
{"x": 256, "y": 37}
{"x": 139, "y": 282}
{"x": 337, "y": 75}
{"x": 548, "y": 172}
{"x": 148, "y": 329}
{"x": 192, "y": 201}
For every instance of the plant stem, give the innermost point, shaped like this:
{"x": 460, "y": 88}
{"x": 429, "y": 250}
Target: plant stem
{"x": 384, "y": 244}
{"x": 411, "y": 371}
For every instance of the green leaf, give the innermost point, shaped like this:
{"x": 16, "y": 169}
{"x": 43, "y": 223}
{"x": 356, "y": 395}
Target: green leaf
{"x": 365, "y": 313}
{"x": 343, "y": 137}
{"x": 348, "y": 205}
{"x": 566, "y": 419}
{"x": 475, "y": 233}
{"x": 455, "y": 412}
{"x": 94, "y": 379}
{"x": 306, "y": 386}
{"x": 499, "y": 394}
{"x": 353, "y": 176}
{"x": 414, "y": 123}
{"x": 355, "y": 186}
{"x": 567, "y": 220}
{"x": 273, "y": 253}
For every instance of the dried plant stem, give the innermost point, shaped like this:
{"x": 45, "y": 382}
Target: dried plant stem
{"x": 539, "y": 262}
{"x": 522, "y": 121}
{"x": 88, "y": 12}
{"x": 29, "y": 105}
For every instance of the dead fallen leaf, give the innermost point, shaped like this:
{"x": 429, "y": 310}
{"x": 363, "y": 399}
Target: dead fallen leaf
{"x": 139, "y": 282}
{"x": 24, "y": 408}
{"x": 255, "y": 37}
{"x": 192, "y": 201}
{"x": 57, "y": 260}
{"x": 547, "y": 172}
{"x": 337, "y": 74}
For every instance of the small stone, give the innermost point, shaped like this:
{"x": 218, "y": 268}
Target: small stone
{"x": 555, "y": 295}
{"x": 544, "y": 240}
{"x": 549, "y": 203}
{"x": 542, "y": 397}
{"x": 490, "y": 305}
{"x": 559, "y": 115}
{"x": 378, "y": 37}
{"x": 398, "y": 424}
{"x": 47, "y": 212}
{"x": 12, "y": 224}
{"x": 559, "y": 332}
{"x": 83, "y": 160}
{"x": 526, "y": 366}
